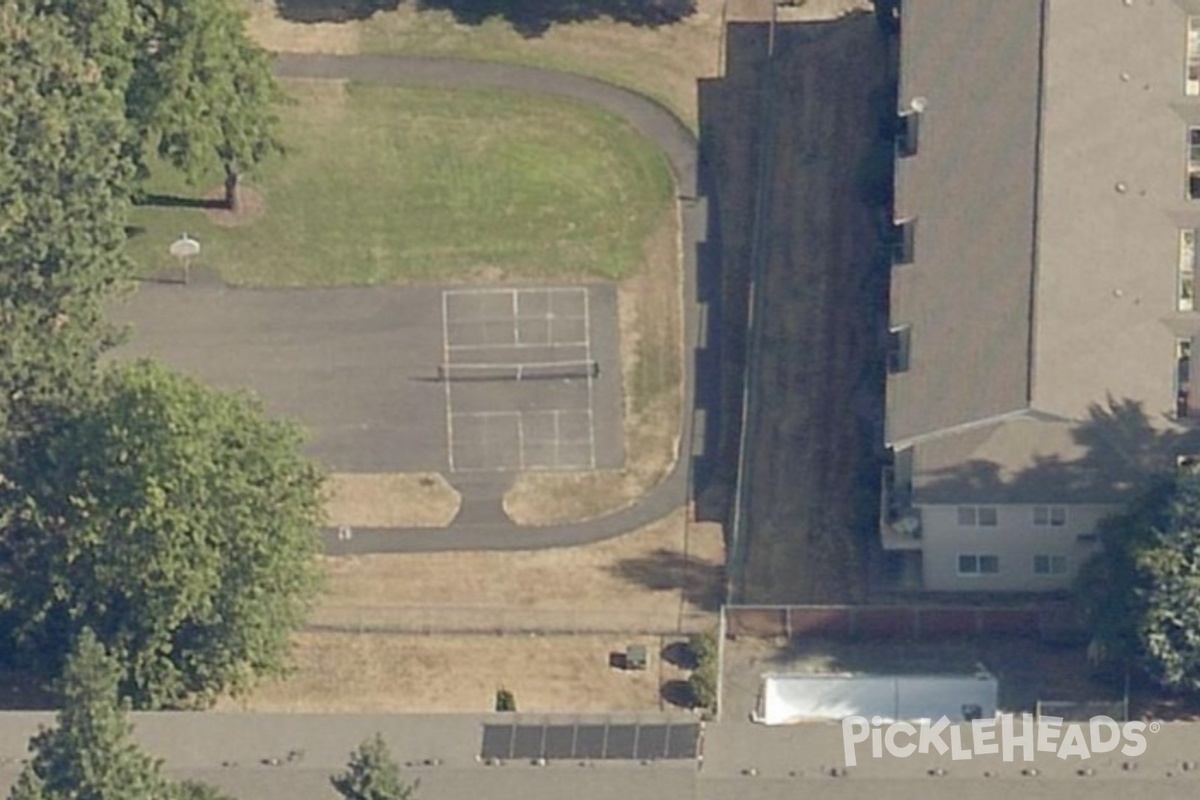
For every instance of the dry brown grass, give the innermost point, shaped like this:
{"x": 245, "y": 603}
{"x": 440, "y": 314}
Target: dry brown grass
{"x": 382, "y": 673}
{"x": 280, "y": 35}
{"x": 651, "y": 333}
{"x": 644, "y": 580}
{"x": 387, "y": 500}
{"x": 662, "y": 62}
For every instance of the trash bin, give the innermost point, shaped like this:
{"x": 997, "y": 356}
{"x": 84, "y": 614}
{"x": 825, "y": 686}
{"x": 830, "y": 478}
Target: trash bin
{"x": 635, "y": 656}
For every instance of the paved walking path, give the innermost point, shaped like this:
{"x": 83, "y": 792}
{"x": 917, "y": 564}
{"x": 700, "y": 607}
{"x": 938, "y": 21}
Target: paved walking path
{"x": 479, "y": 526}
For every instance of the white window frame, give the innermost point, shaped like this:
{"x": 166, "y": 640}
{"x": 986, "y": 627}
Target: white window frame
{"x": 1050, "y": 516}
{"x": 899, "y": 349}
{"x": 1183, "y": 378}
{"x": 1193, "y": 170}
{"x": 1185, "y": 287}
{"x": 1191, "y": 68}
{"x": 978, "y": 516}
{"x": 1050, "y": 565}
{"x": 978, "y": 559}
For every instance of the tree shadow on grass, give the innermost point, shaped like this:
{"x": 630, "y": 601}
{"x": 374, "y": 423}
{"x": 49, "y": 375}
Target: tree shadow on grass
{"x": 530, "y": 18}
{"x": 310, "y": 11}
{"x": 666, "y": 570}
{"x": 680, "y": 654}
{"x": 175, "y": 201}
{"x": 679, "y": 693}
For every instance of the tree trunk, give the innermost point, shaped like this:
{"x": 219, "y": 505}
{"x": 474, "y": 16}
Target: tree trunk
{"x": 233, "y": 198}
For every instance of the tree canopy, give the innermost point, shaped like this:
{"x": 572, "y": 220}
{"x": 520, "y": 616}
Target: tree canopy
{"x": 1141, "y": 593}
{"x": 213, "y": 95}
{"x": 196, "y": 90}
{"x": 177, "y": 522}
{"x": 63, "y": 199}
{"x": 89, "y": 753}
{"x": 372, "y": 774}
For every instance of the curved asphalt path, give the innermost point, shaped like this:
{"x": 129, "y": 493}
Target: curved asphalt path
{"x": 476, "y": 528}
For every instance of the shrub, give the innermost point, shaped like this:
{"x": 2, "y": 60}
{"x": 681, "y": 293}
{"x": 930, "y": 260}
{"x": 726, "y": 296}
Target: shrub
{"x": 703, "y": 680}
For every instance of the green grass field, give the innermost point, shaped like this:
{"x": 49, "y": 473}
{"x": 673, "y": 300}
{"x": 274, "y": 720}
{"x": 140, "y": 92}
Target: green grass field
{"x": 385, "y": 184}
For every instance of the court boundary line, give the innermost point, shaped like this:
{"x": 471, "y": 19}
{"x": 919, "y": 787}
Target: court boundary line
{"x": 515, "y": 293}
{"x": 449, "y": 397}
{"x": 591, "y": 407}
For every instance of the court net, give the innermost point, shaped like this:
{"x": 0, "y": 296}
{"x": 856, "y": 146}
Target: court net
{"x": 546, "y": 370}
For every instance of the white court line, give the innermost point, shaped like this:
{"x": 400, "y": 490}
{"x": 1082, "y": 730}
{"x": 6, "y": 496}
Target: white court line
{"x": 484, "y": 441}
{"x": 523, "y": 345}
{"x": 587, "y": 330}
{"x": 516, "y": 317}
{"x": 449, "y": 401}
{"x": 520, "y": 441}
{"x": 557, "y": 440}
{"x": 483, "y": 414}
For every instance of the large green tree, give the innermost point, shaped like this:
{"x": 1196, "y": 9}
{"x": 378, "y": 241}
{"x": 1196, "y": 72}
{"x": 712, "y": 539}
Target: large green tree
{"x": 63, "y": 198}
{"x": 89, "y": 753}
{"x": 177, "y": 522}
{"x": 198, "y": 91}
{"x": 1141, "y": 593}
{"x": 213, "y": 95}
{"x": 372, "y": 774}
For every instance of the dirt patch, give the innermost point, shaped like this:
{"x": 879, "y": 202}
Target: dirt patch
{"x": 816, "y": 378}
{"x": 251, "y": 206}
{"x": 385, "y": 673}
{"x": 281, "y": 36}
{"x": 390, "y": 500}
{"x": 649, "y": 308}
{"x": 659, "y": 578}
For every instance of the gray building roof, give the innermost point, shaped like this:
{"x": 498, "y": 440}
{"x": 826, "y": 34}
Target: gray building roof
{"x": 1050, "y": 189}
{"x": 1031, "y": 459}
{"x": 975, "y": 65}
{"x": 741, "y": 761}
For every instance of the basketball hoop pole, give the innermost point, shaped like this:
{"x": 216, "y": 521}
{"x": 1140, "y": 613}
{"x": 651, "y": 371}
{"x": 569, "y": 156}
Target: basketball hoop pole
{"x": 185, "y": 248}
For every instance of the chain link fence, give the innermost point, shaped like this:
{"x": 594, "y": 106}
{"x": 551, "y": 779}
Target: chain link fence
{"x": 432, "y": 620}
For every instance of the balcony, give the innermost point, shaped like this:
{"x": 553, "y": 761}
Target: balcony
{"x": 899, "y": 520}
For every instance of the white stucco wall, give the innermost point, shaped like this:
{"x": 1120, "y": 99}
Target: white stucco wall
{"x": 1015, "y": 541}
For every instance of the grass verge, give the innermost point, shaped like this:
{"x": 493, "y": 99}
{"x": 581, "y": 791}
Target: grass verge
{"x": 646, "y": 580}
{"x": 663, "y": 63}
{"x": 374, "y": 673}
{"x": 365, "y": 656}
{"x": 390, "y": 500}
{"x": 650, "y": 317}
{"x": 385, "y": 184}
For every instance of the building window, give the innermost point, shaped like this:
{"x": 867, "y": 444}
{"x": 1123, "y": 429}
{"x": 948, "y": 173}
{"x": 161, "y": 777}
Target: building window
{"x": 904, "y": 235}
{"x": 1186, "y": 289}
{"x": 978, "y": 565}
{"x": 981, "y": 516}
{"x": 1050, "y": 565}
{"x": 899, "y": 342}
{"x": 1050, "y": 516}
{"x": 908, "y": 133}
{"x": 1183, "y": 378}
{"x": 1194, "y": 163}
{"x": 1191, "y": 86}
